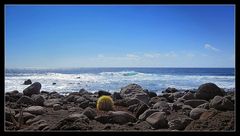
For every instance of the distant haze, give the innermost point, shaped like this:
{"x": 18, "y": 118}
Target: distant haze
{"x": 58, "y": 36}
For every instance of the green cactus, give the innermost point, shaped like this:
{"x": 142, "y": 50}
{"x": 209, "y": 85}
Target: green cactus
{"x": 105, "y": 103}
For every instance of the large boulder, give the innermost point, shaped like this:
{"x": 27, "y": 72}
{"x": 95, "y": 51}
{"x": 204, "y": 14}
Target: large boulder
{"x": 134, "y": 91}
{"x": 221, "y": 103}
{"x": 196, "y": 113}
{"x": 37, "y": 110}
{"x": 32, "y": 89}
{"x": 158, "y": 120}
{"x": 195, "y": 102}
{"x": 208, "y": 91}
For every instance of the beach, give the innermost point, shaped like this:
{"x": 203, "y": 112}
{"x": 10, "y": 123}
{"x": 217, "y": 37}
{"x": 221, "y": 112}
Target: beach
{"x": 206, "y": 108}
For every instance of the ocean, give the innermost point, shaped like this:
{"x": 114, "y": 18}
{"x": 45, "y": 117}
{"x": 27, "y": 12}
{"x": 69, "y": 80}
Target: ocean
{"x": 112, "y": 79}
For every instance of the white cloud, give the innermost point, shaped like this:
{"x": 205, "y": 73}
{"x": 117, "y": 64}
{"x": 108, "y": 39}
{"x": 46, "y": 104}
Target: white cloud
{"x": 151, "y": 55}
{"x": 132, "y": 57}
{"x": 208, "y": 46}
{"x": 171, "y": 54}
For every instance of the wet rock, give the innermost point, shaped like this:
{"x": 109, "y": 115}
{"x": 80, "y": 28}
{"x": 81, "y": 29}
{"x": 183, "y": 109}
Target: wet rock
{"x": 208, "y": 91}
{"x": 25, "y": 100}
{"x": 221, "y": 103}
{"x": 158, "y": 120}
{"x": 195, "y": 102}
{"x": 54, "y": 83}
{"x": 32, "y": 89}
{"x": 27, "y": 82}
{"x": 196, "y": 113}
{"x": 38, "y": 110}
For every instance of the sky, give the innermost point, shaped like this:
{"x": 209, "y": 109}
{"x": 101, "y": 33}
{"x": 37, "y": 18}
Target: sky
{"x": 70, "y": 36}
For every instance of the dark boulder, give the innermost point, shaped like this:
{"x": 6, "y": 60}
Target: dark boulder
{"x": 208, "y": 91}
{"x": 32, "y": 89}
{"x": 101, "y": 92}
{"x": 27, "y": 82}
{"x": 170, "y": 90}
{"x": 158, "y": 120}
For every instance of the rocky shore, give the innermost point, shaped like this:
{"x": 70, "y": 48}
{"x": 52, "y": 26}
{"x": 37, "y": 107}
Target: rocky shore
{"x": 209, "y": 108}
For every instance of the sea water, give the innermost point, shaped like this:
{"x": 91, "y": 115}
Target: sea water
{"x": 113, "y": 79}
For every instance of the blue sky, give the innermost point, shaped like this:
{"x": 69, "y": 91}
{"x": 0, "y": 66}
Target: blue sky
{"x": 47, "y": 36}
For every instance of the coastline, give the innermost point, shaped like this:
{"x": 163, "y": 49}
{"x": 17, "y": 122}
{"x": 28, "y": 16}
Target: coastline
{"x": 135, "y": 109}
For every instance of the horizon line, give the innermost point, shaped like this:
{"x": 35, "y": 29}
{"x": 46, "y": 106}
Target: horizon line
{"x": 104, "y": 67}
